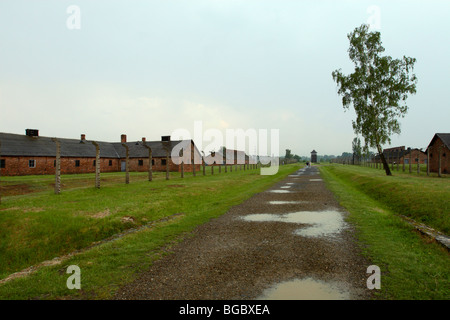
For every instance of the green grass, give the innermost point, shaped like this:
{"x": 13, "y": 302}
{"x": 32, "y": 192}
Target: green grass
{"x": 424, "y": 199}
{"x": 41, "y": 226}
{"x": 412, "y": 267}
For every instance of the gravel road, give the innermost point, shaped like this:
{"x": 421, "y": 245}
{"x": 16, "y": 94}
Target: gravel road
{"x": 289, "y": 242}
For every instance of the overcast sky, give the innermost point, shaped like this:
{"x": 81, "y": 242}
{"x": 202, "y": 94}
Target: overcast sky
{"x": 147, "y": 68}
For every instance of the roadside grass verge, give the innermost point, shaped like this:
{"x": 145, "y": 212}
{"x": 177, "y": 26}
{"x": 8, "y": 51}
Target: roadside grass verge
{"x": 43, "y": 226}
{"x": 412, "y": 267}
{"x": 423, "y": 199}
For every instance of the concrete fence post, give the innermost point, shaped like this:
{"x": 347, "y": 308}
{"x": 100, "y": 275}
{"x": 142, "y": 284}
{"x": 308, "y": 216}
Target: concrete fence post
{"x": 57, "y": 166}
{"x": 404, "y": 157}
{"x": 398, "y": 160}
{"x": 0, "y": 173}
{"x": 410, "y": 160}
{"x": 127, "y": 163}
{"x": 166, "y": 147}
{"x": 150, "y": 160}
{"x": 418, "y": 163}
{"x": 182, "y": 163}
{"x": 97, "y": 164}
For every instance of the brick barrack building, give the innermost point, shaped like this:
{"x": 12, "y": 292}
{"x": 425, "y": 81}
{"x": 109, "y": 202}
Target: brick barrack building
{"x": 439, "y": 152}
{"x": 31, "y": 154}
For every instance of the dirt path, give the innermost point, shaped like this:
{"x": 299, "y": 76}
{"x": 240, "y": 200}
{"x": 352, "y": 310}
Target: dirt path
{"x": 264, "y": 250}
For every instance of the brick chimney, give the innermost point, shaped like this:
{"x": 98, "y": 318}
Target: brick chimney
{"x": 32, "y": 132}
{"x": 143, "y": 139}
{"x": 123, "y": 138}
{"x": 83, "y": 137}
{"x": 165, "y": 138}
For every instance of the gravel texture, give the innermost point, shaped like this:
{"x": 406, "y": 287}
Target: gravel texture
{"x": 229, "y": 258}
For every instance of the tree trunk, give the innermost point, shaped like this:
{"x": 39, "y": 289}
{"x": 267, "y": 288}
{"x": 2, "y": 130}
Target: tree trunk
{"x": 383, "y": 160}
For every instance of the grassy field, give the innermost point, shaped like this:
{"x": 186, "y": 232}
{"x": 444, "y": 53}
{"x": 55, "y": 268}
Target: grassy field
{"x": 40, "y": 225}
{"x": 412, "y": 267}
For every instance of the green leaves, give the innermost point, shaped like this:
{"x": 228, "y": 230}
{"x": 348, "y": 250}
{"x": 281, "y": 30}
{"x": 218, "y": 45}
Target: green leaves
{"x": 377, "y": 89}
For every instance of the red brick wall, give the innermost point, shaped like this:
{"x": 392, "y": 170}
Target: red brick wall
{"x": 158, "y": 166}
{"x": 414, "y": 153}
{"x": 19, "y": 166}
{"x": 434, "y": 157}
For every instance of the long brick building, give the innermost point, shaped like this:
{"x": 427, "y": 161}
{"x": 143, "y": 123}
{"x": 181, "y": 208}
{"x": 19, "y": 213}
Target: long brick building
{"x": 31, "y": 154}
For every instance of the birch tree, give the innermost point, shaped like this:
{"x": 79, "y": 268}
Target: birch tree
{"x": 377, "y": 89}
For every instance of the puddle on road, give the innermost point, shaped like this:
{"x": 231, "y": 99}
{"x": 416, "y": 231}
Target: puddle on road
{"x": 285, "y": 187}
{"x": 322, "y": 223}
{"x": 315, "y": 179}
{"x": 279, "y": 191}
{"x": 305, "y": 289}
{"x": 287, "y": 202}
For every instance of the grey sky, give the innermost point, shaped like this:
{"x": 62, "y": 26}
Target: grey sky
{"x": 147, "y": 68}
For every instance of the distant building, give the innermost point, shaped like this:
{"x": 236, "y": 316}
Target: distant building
{"x": 402, "y": 155}
{"x": 416, "y": 156}
{"x": 392, "y": 155}
{"x": 31, "y": 154}
{"x": 230, "y": 157}
{"x": 439, "y": 147}
{"x": 313, "y": 156}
